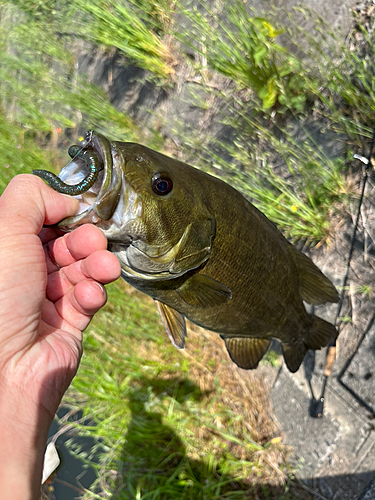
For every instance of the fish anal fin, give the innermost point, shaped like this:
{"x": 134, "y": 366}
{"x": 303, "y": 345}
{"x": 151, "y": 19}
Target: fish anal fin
{"x": 315, "y": 287}
{"x": 319, "y": 335}
{"x": 294, "y": 354}
{"x": 202, "y": 291}
{"x": 174, "y": 323}
{"x": 246, "y": 352}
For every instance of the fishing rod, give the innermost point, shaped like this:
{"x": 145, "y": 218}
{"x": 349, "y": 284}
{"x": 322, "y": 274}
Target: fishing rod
{"x": 317, "y": 407}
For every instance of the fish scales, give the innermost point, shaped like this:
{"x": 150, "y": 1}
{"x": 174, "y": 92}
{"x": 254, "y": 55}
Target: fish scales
{"x": 202, "y": 251}
{"x": 250, "y": 257}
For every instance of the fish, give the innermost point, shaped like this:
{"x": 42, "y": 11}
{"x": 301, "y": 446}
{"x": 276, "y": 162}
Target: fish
{"x": 200, "y": 249}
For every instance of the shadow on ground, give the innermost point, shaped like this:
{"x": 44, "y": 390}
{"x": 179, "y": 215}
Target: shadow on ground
{"x": 171, "y": 470}
{"x": 154, "y": 463}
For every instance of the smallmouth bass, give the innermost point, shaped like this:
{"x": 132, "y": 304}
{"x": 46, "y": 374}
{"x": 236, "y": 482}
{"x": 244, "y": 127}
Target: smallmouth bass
{"x": 199, "y": 249}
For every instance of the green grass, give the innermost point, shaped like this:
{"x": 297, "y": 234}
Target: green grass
{"x": 132, "y": 31}
{"x": 303, "y": 200}
{"x": 339, "y": 74}
{"x": 166, "y": 425}
{"x": 19, "y": 153}
{"x": 39, "y": 85}
{"x": 273, "y": 156}
{"x": 242, "y": 46}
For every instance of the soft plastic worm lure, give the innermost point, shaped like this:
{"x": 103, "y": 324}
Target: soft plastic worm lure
{"x": 93, "y": 164}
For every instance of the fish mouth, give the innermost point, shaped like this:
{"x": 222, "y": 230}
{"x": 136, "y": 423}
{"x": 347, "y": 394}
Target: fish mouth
{"x": 98, "y": 203}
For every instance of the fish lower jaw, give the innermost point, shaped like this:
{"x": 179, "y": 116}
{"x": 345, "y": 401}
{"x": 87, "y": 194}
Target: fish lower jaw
{"x": 131, "y": 273}
{"x": 128, "y": 273}
{"x": 86, "y": 217}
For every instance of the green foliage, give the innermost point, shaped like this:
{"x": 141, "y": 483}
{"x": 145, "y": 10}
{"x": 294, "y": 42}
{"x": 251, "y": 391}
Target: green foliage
{"x": 158, "y": 14}
{"x": 366, "y": 291}
{"x": 302, "y": 202}
{"x": 39, "y": 85}
{"x": 243, "y": 48}
{"x": 339, "y": 73}
{"x": 272, "y": 358}
{"x": 122, "y": 26}
{"x": 18, "y": 153}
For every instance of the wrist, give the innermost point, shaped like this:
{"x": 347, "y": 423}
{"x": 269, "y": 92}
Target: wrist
{"x": 24, "y": 428}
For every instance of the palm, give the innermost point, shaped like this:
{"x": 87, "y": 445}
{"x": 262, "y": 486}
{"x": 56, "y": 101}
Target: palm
{"x": 50, "y": 303}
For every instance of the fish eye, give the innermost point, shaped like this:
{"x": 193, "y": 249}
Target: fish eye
{"x": 161, "y": 184}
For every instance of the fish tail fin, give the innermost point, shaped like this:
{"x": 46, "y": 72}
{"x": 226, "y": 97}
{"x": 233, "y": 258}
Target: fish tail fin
{"x": 319, "y": 335}
{"x": 315, "y": 287}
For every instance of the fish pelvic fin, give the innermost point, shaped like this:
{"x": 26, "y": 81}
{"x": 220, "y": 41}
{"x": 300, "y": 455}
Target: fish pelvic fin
{"x": 174, "y": 324}
{"x": 319, "y": 335}
{"x": 246, "y": 352}
{"x": 203, "y": 291}
{"x": 315, "y": 287}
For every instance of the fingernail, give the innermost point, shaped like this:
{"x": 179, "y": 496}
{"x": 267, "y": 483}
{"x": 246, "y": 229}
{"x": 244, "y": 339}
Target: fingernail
{"x": 71, "y": 200}
{"x": 69, "y": 197}
{"x": 100, "y": 286}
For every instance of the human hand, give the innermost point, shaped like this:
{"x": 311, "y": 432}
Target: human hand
{"x": 50, "y": 287}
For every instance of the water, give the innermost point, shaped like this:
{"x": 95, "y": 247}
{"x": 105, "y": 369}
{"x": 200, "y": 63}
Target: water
{"x": 71, "y": 468}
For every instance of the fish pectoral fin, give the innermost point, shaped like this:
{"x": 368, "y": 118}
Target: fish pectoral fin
{"x": 203, "y": 291}
{"x": 315, "y": 288}
{"x": 194, "y": 248}
{"x": 174, "y": 323}
{"x": 246, "y": 352}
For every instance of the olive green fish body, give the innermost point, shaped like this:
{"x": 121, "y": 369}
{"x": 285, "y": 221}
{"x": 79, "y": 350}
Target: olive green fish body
{"x": 203, "y": 252}
{"x": 251, "y": 258}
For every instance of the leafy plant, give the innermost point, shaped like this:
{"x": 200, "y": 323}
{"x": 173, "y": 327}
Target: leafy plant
{"x": 243, "y": 47}
{"x": 340, "y": 73}
{"x": 19, "y": 153}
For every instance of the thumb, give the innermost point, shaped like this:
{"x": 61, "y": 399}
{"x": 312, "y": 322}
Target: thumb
{"x": 27, "y": 203}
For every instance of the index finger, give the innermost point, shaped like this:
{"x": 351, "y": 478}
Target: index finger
{"x": 74, "y": 246}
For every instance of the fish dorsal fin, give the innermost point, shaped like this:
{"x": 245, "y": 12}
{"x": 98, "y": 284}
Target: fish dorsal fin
{"x": 174, "y": 323}
{"x": 203, "y": 291}
{"x": 246, "y": 352}
{"x": 315, "y": 288}
{"x": 294, "y": 354}
{"x": 194, "y": 248}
